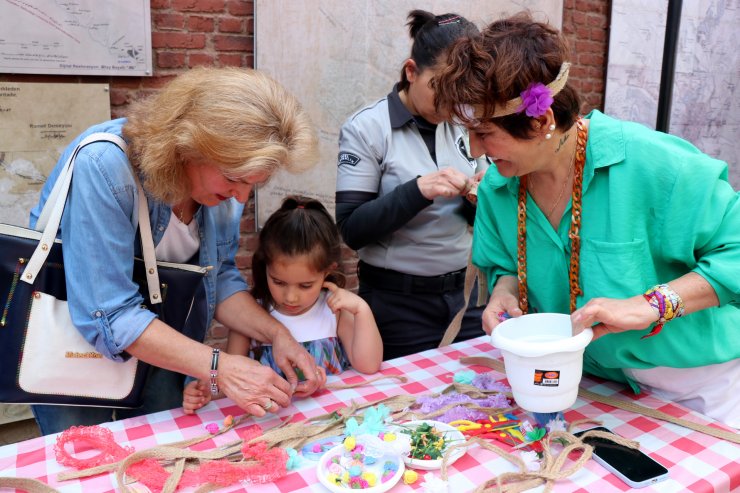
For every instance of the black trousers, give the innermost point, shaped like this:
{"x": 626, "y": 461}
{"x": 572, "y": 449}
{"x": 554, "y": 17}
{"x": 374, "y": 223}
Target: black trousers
{"x": 414, "y": 322}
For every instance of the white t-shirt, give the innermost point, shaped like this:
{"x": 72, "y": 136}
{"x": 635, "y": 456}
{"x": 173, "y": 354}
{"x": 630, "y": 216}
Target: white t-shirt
{"x": 179, "y": 242}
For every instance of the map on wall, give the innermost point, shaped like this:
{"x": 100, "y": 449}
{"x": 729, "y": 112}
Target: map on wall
{"x": 37, "y": 121}
{"x": 705, "y": 107}
{"x": 341, "y": 55}
{"x": 76, "y": 37}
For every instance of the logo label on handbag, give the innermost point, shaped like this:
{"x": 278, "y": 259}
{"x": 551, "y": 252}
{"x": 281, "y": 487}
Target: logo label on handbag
{"x": 75, "y": 354}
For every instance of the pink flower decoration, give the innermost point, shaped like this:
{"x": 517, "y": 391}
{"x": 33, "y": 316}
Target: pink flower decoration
{"x": 535, "y": 100}
{"x": 212, "y": 428}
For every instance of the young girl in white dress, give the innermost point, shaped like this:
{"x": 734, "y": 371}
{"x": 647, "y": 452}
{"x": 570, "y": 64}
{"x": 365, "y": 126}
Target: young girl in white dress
{"x": 297, "y": 278}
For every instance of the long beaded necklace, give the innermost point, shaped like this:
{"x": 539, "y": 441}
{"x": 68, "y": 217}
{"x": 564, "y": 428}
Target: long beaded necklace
{"x": 573, "y": 232}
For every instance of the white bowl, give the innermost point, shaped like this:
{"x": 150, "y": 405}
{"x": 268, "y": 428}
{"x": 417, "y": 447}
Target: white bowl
{"x": 322, "y": 472}
{"x": 451, "y": 434}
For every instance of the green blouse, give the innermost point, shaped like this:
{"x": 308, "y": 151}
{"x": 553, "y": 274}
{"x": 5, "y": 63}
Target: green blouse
{"x": 654, "y": 209}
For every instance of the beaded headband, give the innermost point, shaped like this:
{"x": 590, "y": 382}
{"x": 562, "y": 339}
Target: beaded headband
{"x": 531, "y": 99}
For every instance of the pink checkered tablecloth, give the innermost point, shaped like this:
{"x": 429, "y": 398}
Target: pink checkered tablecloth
{"x": 696, "y": 462}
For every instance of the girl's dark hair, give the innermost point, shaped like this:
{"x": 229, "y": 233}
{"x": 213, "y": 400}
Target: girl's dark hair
{"x": 432, "y": 35}
{"x": 302, "y": 226}
{"x": 498, "y": 65}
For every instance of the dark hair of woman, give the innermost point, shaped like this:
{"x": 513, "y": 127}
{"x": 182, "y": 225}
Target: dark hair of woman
{"x": 495, "y": 67}
{"x": 432, "y": 35}
{"x": 301, "y": 226}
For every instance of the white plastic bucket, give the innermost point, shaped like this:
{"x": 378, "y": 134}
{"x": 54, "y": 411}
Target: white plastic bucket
{"x": 543, "y": 360}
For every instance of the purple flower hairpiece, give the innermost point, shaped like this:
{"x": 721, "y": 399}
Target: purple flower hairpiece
{"x": 535, "y": 99}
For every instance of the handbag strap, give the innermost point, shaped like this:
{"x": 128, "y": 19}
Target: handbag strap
{"x": 51, "y": 217}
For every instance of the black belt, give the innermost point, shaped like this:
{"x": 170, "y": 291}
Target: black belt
{"x": 392, "y": 280}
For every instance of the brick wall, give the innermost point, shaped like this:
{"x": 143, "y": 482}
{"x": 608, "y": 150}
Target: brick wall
{"x": 188, "y": 33}
{"x": 586, "y": 25}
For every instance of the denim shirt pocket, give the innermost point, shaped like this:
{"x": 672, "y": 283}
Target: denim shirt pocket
{"x": 615, "y": 269}
{"x": 225, "y": 249}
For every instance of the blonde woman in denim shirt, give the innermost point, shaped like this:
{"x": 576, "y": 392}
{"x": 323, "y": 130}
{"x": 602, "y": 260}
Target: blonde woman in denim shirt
{"x": 198, "y": 146}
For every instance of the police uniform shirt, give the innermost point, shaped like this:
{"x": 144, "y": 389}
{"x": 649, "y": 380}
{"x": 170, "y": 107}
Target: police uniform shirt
{"x": 380, "y": 209}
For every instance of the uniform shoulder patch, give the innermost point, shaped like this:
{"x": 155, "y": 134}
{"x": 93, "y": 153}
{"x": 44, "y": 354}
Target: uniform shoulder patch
{"x": 463, "y": 150}
{"x": 348, "y": 158}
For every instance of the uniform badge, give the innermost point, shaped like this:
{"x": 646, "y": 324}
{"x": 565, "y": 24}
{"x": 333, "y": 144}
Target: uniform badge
{"x": 348, "y": 158}
{"x": 463, "y": 149}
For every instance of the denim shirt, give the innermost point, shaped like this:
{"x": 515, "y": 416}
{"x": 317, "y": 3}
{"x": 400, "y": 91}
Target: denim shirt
{"x": 99, "y": 240}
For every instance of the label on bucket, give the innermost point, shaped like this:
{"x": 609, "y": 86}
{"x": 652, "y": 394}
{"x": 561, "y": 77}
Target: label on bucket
{"x": 547, "y": 378}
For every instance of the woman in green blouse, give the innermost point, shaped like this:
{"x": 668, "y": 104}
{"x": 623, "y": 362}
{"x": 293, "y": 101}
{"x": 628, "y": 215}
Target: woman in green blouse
{"x": 624, "y": 227}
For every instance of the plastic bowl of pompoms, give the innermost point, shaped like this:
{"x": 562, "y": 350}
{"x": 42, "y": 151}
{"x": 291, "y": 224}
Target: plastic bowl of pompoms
{"x": 430, "y": 440}
{"x": 360, "y": 463}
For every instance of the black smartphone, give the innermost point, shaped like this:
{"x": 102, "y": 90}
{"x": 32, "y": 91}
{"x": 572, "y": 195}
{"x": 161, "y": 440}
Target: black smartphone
{"x": 631, "y": 466}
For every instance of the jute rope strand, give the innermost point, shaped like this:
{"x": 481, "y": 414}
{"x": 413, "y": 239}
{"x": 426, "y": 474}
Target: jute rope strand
{"x": 208, "y": 487}
{"x": 657, "y": 414}
{"x": 27, "y": 484}
{"x": 171, "y": 484}
{"x": 343, "y": 386}
{"x": 513, "y": 105}
{"x": 92, "y": 471}
{"x": 469, "y": 390}
{"x": 300, "y": 433}
{"x": 551, "y": 468}
{"x": 454, "y": 328}
{"x": 625, "y": 405}
{"x": 470, "y": 405}
{"x": 169, "y": 453}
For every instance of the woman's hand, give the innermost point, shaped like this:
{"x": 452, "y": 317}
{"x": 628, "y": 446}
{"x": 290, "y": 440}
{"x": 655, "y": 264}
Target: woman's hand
{"x": 504, "y": 303}
{"x": 289, "y": 354}
{"x": 253, "y": 387}
{"x": 196, "y": 395}
{"x": 610, "y": 315}
{"x": 447, "y": 182}
{"x": 498, "y": 310}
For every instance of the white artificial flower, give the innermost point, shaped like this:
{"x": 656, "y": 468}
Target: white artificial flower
{"x": 401, "y": 446}
{"x": 531, "y": 460}
{"x": 433, "y": 484}
{"x": 555, "y": 425}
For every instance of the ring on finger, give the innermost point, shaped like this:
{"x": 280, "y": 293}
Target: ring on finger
{"x": 269, "y": 405}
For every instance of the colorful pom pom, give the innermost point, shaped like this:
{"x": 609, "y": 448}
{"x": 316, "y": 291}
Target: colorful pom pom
{"x": 410, "y": 476}
{"x": 349, "y": 443}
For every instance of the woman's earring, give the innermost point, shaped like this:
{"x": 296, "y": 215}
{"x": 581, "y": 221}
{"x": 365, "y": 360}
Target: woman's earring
{"x": 551, "y": 128}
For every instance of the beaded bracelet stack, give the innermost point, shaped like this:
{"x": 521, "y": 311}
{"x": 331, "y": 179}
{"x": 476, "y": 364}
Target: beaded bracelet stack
{"x": 668, "y": 303}
{"x": 214, "y": 372}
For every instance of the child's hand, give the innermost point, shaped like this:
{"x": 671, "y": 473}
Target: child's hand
{"x": 196, "y": 395}
{"x": 341, "y": 299}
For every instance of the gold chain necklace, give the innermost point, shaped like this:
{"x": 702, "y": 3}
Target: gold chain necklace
{"x": 181, "y": 213}
{"x": 562, "y": 189}
{"x": 573, "y": 232}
